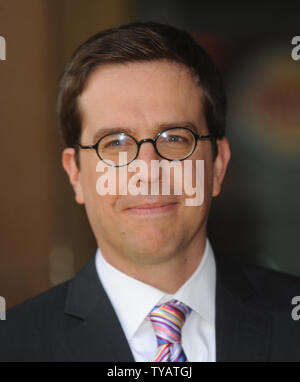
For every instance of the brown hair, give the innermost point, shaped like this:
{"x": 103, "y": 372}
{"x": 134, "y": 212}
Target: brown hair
{"x": 138, "y": 42}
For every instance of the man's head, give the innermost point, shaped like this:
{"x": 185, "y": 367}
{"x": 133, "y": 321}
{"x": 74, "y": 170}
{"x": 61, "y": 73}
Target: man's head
{"x": 141, "y": 78}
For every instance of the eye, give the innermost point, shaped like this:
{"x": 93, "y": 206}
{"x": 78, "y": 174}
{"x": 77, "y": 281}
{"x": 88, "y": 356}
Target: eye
{"x": 116, "y": 142}
{"x": 174, "y": 138}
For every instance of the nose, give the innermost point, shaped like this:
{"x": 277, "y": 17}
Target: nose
{"x": 147, "y": 153}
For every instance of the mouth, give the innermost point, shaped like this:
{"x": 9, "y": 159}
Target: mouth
{"x": 152, "y": 208}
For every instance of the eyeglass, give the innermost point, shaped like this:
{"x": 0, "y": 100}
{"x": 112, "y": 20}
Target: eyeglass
{"x": 175, "y": 143}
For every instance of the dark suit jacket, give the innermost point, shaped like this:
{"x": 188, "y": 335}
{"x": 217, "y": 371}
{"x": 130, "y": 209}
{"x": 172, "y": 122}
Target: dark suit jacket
{"x": 75, "y": 321}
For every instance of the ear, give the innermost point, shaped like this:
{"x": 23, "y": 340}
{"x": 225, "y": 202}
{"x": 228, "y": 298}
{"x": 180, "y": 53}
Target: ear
{"x": 71, "y": 168}
{"x": 220, "y": 165}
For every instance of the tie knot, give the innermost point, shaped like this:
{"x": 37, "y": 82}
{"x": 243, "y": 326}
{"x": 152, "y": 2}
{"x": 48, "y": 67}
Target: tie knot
{"x": 167, "y": 320}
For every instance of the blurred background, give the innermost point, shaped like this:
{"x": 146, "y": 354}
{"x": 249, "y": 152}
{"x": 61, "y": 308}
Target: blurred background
{"x": 45, "y": 237}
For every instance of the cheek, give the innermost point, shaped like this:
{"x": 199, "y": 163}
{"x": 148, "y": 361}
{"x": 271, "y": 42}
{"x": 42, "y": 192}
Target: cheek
{"x": 98, "y": 204}
{"x": 101, "y": 214}
{"x": 193, "y": 215}
{"x": 104, "y": 211}
{"x": 198, "y": 177}
{"x": 88, "y": 182}
{"x": 208, "y": 178}
{"x": 208, "y": 172}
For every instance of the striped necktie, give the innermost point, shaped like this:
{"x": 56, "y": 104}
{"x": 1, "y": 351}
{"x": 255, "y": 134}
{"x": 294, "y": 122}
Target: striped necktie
{"x": 167, "y": 321}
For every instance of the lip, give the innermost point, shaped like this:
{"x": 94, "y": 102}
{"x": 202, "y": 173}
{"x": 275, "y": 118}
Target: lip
{"x": 152, "y": 208}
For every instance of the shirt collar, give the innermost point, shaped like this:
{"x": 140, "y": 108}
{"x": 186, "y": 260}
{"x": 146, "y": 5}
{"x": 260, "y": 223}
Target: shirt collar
{"x": 132, "y": 299}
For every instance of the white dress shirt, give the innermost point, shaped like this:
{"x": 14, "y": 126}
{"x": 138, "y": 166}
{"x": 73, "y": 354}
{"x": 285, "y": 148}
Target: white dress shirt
{"x": 132, "y": 300}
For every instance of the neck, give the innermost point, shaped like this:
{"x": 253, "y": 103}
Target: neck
{"x": 181, "y": 265}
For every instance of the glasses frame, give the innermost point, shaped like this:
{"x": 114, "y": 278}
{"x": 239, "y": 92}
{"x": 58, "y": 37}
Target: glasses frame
{"x": 153, "y": 141}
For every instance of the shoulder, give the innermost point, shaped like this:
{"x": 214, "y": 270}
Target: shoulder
{"x": 262, "y": 289}
{"x": 278, "y": 295}
{"x": 52, "y": 300}
{"x": 38, "y": 320}
{"x": 261, "y": 303}
{"x": 272, "y": 284}
{"x": 264, "y": 281}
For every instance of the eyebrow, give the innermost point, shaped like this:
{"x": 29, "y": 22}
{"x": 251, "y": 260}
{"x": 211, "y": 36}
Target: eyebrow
{"x": 109, "y": 130}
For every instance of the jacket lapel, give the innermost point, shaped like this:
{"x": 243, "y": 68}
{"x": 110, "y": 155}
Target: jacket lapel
{"x": 93, "y": 331}
{"x": 243, "y": 330}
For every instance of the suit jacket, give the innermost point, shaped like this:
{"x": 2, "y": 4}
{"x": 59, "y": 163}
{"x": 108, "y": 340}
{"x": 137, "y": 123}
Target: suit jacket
{"x": 75, "y": 320}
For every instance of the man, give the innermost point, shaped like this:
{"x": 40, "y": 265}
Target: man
{"x": 155, "y": 290}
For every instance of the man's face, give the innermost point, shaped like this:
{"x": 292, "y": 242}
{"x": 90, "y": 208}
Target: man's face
{"x": 142, "y": 99}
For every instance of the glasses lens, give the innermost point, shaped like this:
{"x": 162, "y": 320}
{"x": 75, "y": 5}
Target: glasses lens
{"x": 175, "y": 143}
{"x": 118, "y": 148}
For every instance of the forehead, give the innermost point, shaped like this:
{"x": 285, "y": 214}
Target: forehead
{"x": 140, "y": 96}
